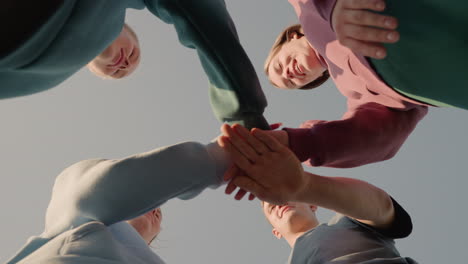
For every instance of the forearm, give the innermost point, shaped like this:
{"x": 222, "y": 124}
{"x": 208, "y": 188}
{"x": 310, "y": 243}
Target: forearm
{"x": 115, "y": 190}
{"x": 205, "y": 25}
{"x": 135, "y": 185}
{"x": 351, "y": 197}
{"x": 367, "y": 134}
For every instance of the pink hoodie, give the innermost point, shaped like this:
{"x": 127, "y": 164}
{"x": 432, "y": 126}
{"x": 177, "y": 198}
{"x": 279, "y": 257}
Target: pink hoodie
{"x": 378, "y": 119}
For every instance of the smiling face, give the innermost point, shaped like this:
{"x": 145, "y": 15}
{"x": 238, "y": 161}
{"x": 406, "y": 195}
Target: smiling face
{"x": 295, "y": 64}
{"x": 291, "y": 218}
{"x": 148, "y": 225}
{"x": 120, "y": 58}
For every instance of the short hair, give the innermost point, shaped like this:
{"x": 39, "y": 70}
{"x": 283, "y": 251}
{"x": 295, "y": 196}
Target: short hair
{"x": 284, "y": 37}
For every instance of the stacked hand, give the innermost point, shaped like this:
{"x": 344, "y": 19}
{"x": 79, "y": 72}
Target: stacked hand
{"x": 263, "y": 166}
{"x": 362, "y": 30}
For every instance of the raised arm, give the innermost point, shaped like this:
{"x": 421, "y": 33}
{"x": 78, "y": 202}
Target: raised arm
{"x": 205, "y": 25}
{"x": 271, "y": 172}
{"x": 367, "y": 134}
{"x": 110, "y": 191}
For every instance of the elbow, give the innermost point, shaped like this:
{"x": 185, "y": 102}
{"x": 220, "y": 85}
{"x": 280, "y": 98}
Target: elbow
{"x": 386, "y": 211}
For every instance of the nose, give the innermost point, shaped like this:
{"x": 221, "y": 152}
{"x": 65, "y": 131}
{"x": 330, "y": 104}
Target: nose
{"x": 287, "y": 73}
{"x": 280, "y": 206}
{"x": 125, "y": 64}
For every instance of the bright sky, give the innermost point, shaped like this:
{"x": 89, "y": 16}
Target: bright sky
{"x": 166, "y": 102}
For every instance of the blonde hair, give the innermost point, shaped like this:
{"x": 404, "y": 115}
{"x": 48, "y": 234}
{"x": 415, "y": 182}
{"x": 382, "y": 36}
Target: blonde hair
{"x": 284, "y": 37}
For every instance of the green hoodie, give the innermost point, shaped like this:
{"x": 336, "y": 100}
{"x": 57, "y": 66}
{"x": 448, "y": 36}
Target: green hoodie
{"x": 81, "y": 29}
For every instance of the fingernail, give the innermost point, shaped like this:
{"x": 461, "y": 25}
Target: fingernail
{"x": 388, "y": 22}
{"x": 380, "y": 54}
{"x": 391, "y": 36}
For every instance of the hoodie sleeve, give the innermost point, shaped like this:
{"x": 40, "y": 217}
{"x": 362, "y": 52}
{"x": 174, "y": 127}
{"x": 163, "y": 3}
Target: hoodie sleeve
{"x": 205, "y": 25}
{"x": 110, "y": 191}
{"x": 321, "y": 8}
{"x": 366, "y": 134}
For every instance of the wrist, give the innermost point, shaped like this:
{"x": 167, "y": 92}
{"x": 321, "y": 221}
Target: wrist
{"x": 310, "y": 189}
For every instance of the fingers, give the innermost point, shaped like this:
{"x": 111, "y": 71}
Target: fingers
{"x": 247, "y": 185}
{"x": 369, "y": 49}
{"x": 242, "y": 146}
{"x": 376, "y": 5}
{"x": 362, "y": 30}
{"x": 231, "y": 173}
{"x": 370, "y": 33}
{"x": 240, "y": 194}
{"x": 366, "y": 18}
{"x": 231, "y": 187}
{"x": 237, "y": 157}
{"x": 257, "y": 145}
{"x": 268, "y": 140}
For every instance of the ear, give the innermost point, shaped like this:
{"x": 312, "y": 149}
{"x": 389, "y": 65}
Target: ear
{"x": 276, "y": 233}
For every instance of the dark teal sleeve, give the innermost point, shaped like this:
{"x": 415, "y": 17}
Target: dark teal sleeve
{"x": 205, "y": 25}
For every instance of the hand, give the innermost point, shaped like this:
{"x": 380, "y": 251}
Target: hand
{"x": 362, "y": 30}
{"x": 266, "y": 168}
{"x": 280, "y": 135}
{"x": 234, "y": 170}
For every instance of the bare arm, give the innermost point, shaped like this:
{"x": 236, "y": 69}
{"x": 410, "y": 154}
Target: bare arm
{"x": 270, "y": 171}
{"x": 351, "y": 197}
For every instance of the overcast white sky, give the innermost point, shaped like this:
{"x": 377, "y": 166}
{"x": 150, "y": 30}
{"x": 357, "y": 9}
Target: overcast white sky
{"x": 166, "y": 102}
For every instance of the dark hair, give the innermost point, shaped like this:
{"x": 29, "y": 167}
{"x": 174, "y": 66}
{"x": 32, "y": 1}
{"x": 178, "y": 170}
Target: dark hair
{"x": 284, "y": 37}
{"x": 317, "y": 82}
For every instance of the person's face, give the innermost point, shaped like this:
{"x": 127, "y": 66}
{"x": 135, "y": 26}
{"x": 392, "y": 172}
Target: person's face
{"x": 290, "y": 218}
{"x": 148, "y": 225}
{"x": 118, "y": 60}
{"x": 295, "y": 65}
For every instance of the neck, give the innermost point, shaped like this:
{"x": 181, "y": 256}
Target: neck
{"x": 140, "y": 231}
{"x": 291, "y": 238}
{"x": 298, "y": 231}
